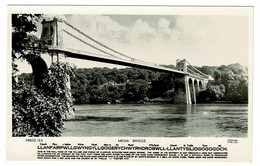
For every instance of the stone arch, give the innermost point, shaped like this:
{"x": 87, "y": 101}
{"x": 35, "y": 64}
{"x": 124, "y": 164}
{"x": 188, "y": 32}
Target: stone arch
{"x": 192, "y": 90}
{"x": 196, "y": 87}
{"x": 200, "y": 85}
{"x": 39, "y": 67}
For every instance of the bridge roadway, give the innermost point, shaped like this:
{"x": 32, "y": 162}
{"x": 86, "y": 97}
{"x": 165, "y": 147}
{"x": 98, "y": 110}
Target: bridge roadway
{"x": 117, "y": 61}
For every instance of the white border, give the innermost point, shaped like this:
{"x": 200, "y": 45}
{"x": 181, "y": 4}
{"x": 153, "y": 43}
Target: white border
{"x": 3, "y": 67}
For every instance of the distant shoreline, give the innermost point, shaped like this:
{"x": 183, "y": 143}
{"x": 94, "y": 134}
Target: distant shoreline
{"x": 225, "y": 102}
{"x": 165, "y": 102}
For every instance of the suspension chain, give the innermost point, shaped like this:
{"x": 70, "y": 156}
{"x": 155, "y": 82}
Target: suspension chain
{"x": 87, "y": 36}
{"x": 92, "y": 46}
{"x": 196, "y": 69}
{"x": 92, "y": 39}
{"x": 99, "y": 43}
{"x": 193, "y": 72}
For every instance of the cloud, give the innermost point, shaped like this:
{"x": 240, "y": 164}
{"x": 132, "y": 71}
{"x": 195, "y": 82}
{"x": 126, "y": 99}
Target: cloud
{"x": 191, "y": 29}
{"x": 201, "y": 39}
{"x": 102, "y": 27}
{"x": 141, "y": 31}
{"x": 111, "y": 30}
{"x": 141, "y": 40}
{"x": 213, "y": 40}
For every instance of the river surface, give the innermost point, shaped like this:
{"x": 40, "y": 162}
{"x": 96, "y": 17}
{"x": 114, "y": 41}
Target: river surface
{"x": 158, "y": 120}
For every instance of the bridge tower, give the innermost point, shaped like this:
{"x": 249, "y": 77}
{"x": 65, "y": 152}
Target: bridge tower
{"x": 64, "y": 40}
{"x": 52, "y": 36}
{"x": 52, "y": 33}
{"x": 182, "y": 66}
{"x": 193, "y": 79}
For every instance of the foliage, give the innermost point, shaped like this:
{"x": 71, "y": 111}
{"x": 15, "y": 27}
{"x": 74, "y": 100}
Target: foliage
{"x": 160, "y": 86}
{"x": 136, "y": 91}
{"x": 212, "y": 93}
{"x": 37, "y": 110}
{"x": 23, "y": 24}
{"x": 130, "y": 84}
{"x": 26, "y": 78}
{"x": 238, "y": 89}
{"x": 40, "y": 111}
{"x": 102, "y": 85}
{"x": 230, "y": 84}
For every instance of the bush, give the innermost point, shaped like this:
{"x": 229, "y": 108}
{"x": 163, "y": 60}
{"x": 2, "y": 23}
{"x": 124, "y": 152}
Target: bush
{"x": 39, "y": 111}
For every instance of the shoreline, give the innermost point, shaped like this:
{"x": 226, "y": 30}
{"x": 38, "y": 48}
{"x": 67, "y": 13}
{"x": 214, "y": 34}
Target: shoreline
{"x": 160, "y": 101}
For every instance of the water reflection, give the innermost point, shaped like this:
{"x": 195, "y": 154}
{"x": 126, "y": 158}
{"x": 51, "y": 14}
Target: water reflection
{"x": 159, "y": 120}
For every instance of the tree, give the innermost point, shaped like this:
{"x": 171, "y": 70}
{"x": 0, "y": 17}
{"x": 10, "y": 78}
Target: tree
{"x": 23, "y": 24}
{"x": 39, "y": 109}
{"x": 238, "y": 89}
{"x": 121, "y": 78}
{"x": 159, "y": 87}
{"x": 136, "y": 91}
{"x": 217, "y": 77}
{"x": 79, "y": 84}
{"x": 230, "y": 84}
{"x": 26, "y": 78}
{"x": 114, "y": 92}
{"x": 217, "y": 92}
{"x": 97, "y": 95}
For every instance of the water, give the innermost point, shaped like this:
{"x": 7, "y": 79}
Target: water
{"x": 158, "y": 120}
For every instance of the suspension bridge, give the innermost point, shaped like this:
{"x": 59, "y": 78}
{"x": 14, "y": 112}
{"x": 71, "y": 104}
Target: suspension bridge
{"x": 65, "y": 40}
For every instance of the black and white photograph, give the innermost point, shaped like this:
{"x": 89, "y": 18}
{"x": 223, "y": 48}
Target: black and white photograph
{"x": 138, "y": 72}
{"x": 130, "y": 75}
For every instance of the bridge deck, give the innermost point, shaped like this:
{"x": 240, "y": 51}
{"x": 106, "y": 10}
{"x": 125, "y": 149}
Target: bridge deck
{"x": 92, "y": 57}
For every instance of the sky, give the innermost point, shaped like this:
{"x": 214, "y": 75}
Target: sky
{"x": 200, "y": 39}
